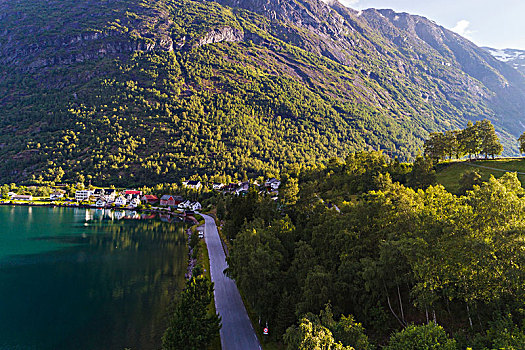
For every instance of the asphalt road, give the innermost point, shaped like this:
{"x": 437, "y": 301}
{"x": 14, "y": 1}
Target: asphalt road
{"x": 237, "y": 331}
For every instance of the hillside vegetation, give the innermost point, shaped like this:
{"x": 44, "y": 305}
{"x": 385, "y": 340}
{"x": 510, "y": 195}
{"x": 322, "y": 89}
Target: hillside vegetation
{"x": 357, "y": 253}
{"x": 449, "y": 174}
{"x": 141, "y": 92}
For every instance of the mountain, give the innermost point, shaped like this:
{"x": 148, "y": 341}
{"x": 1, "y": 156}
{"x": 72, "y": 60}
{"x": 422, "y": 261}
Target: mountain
{"x": 514, "y": 57}
{"x": 146, "y": 91}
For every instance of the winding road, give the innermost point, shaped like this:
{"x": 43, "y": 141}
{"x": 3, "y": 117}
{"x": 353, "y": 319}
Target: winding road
{"x": 237, "y": 331}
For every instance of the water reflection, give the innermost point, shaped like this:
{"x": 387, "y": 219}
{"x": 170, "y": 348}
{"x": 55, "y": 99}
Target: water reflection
{"x": 101, "y": 286}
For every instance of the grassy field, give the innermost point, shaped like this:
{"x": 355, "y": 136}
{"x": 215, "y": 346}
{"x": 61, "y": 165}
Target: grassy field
{"x": 448, "y": 174}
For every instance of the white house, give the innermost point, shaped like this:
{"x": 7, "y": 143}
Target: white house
{"x": 192, "y": 184}
{"x": 273, "y": 184}
{"x": 184, "y": 205}
{"x": 98, "y": 192}
{"x": 120, "y": 201}
{"x": 135, "y": 202}
{"x": 243, "y": 187}
{"x": 22, "y": 197}
{"x": 195, "y": 206}
{"x": 217, "y": 186}
{"x": 101, "y": 203}
{"x": 110, "y": 194}
{"x": 56, "y": 196}
{"x": 83, "y": 195}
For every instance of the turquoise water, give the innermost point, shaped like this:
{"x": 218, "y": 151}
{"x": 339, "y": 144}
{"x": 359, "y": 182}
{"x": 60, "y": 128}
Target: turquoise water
{"x": 86, "y": 279}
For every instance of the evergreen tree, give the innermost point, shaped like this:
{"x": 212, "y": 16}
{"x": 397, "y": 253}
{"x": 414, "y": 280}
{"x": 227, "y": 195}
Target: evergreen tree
{"x": 191, "y": 326}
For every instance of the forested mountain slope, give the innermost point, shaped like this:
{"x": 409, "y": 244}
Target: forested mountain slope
{"x": 146, "y": 91}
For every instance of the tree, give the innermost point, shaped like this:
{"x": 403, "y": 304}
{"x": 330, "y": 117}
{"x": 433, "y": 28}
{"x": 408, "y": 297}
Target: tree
{"x": 221, "y": 209}
{"x": 289, "y": 191}
{"x": 436, "y": 146}
{"x": 468, "y": 180}
{"x": 522, "y": 143}
{"x": 452, "y": 148}
{"x": 426, "y": 337}
{"x": 190, "y": 326}
{"x": 256, "y": 265}
{"x": 469, "y": 140}
{"x": 504, "y": 334}
{"x": 311, "y": 334}
{"x": 351, "y": 333}
{"x": 422, "y": 174}
{"x": 490, "y": 145}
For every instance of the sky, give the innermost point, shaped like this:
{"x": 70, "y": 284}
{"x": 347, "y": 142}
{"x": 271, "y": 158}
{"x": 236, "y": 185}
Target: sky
{"x": 498, "y": 24}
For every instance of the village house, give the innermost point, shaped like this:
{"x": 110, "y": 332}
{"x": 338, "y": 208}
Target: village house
{"x": 22, "y": 197}
{"x": 135, "y": 202}
{"x": 192, "y": 184}
{"x": 131, "y": 197}
{"x": 101, "y": 203}
{"x": 242, "y": 188}
{"x": 184, "y": 205}
{"x": 132, "y": 192}
{"x": 120, "y": 201}
{"x": 272, "y": 184}
{"x": 56, "y": 196}
{"x": 98, "y": 192}
{"x": 167, "y": 201}
{"x": 110, "y": 194}
{"x": 149, "y": 199}
{"x": 83, "y": 195}
{"x": 195, "y": 206}
{"x": 231, "y": 187}
{"x": 217, "y": 186}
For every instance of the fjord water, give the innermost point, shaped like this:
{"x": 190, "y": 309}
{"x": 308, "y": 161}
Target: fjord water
{"x": 82, "y": 279}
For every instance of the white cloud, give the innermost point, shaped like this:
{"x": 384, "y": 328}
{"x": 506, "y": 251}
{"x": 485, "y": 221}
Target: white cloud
{"x": 462, "y": 28}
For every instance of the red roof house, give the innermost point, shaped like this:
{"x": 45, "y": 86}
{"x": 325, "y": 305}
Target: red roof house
{"x": 133, "y": 192}
{"x": 149, "y": 199}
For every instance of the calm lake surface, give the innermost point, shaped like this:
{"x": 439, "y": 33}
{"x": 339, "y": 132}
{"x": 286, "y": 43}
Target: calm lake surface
{"x": 86, "y": 279}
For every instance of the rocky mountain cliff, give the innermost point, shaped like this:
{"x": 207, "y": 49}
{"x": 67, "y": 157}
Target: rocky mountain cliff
{"x": 514, "y": 57}
{"x": 161, "y": 89}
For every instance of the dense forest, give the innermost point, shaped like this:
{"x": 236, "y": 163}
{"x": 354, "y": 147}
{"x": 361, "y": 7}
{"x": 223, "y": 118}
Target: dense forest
{"x": 368, "y": 252}
{"x": 145, "y": 92}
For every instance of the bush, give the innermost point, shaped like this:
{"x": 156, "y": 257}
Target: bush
{"x": 503, "y": 333}
{"x": 425, "y": 337}
{"x": 351, "y": 333}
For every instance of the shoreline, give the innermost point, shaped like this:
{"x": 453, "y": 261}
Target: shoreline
{"x": 89, "y": 206}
